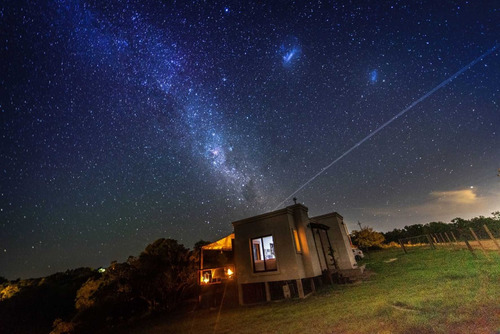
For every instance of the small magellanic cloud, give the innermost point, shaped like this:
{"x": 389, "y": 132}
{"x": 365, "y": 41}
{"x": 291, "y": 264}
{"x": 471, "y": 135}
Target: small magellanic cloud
{"x": 373, "y": 76}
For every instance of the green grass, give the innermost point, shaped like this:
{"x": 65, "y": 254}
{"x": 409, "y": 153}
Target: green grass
{"x": 425, "y": 291}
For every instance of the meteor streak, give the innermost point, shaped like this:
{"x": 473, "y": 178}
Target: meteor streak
{"x": 423, "y": 97}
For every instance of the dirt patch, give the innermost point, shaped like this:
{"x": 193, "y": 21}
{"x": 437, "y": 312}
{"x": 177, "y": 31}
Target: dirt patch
{"x": 404, "y": 307}
{"x": 367, "y": 275}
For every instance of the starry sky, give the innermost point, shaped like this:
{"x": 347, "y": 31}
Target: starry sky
{"x": 127, "y": 121}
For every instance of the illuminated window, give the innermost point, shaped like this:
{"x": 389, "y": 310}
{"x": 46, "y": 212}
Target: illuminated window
{"x": 297, "y": 241}
{"x": 263, "y": 255}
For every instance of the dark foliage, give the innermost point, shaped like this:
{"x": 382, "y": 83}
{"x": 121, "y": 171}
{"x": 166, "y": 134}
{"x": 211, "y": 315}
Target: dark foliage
{"x": 30, "y": 306}
{"x": 199, "y": 244}
{"x": 367, "y": 238}
{"x": 86, "y": 301}
{"x": 156, "y": 281}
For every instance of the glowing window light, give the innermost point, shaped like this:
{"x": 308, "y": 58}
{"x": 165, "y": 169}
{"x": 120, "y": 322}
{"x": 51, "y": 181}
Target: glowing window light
{"x": 297, "y": 241}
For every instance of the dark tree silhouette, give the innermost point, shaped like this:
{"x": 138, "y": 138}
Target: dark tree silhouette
{"x": 155, "y": 281}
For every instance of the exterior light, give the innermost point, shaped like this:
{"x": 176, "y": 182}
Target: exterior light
{"x": 206, "y": 277}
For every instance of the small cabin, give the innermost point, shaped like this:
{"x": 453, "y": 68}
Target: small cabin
{"x": 280, "y": 254}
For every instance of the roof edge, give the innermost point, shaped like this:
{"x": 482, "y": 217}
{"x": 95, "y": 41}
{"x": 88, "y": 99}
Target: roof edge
{"x": 287, "y": 210}
{"x": 327, "y": 215}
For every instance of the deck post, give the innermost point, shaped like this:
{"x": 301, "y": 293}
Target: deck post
{"x": 240, "y": 294}
{"x": 268, "y": 292}
{"x": 300, "y": 288}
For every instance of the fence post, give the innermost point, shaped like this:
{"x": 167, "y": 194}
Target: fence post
{"x": 453, "y": 235}
{"x": 470, "y": 248}
{"x": 430, "y": 241}
{"x": 402, "y": 245}
{"x": 491, "y": 236}
{"x": 479, "y": 242}
{"x": 449, "y": 240}
{"x": 447, "y": 237}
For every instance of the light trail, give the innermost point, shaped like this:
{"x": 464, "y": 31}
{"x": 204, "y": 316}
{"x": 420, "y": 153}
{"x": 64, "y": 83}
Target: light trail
{"x": 423, "y": 97}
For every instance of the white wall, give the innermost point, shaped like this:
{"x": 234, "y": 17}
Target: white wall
{"x": 290, "y": 264}
{"x": 339, "y": 239}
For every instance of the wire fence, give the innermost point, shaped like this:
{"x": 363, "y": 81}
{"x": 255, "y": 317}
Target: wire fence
{"x": 471, "y": 239}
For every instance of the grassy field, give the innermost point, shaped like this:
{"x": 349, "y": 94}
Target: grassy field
{"x": 424, "y": 291}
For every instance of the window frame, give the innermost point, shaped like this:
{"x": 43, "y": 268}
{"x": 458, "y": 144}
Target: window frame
{"x": 261, "y": 245}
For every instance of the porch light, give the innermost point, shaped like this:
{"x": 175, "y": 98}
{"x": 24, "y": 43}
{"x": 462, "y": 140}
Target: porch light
{"x": 229, "y": 273}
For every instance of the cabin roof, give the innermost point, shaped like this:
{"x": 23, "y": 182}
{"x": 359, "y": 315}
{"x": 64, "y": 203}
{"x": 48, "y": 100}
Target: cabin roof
{"x": 224, "y": 244}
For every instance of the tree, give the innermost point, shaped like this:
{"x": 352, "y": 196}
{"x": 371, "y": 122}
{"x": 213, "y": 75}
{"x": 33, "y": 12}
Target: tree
{"x": 496, "y": 215}
{"x": 164, "y": 271}
{"x": 201, "y": 243}
{"x": 435, "y": 227}
{"x": 393, "y": 236}
{"x": 367, "y": 238}
{"x": 458, "y": 225}
{"x": 153, "y": 281}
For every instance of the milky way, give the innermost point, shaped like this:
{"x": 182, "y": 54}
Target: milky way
{"x": 124, "y": 122}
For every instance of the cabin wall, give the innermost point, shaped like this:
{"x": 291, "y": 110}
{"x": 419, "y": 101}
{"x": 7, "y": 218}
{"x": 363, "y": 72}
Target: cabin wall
{"x": 279, "y": 224}
{"x": 309, "y": 257}
{"x": 339, "y": 239}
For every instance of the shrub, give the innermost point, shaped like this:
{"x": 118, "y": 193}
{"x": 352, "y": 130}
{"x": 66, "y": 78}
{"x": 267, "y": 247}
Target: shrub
{"x": 367, "y": 238}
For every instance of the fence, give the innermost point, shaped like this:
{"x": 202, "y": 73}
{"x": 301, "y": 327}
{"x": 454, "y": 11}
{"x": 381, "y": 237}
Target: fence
{"x": 470, "y": 239}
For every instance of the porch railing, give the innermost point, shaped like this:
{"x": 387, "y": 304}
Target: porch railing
{"x": 216, "y": 275}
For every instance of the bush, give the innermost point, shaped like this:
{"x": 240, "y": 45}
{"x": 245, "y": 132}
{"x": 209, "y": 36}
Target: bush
{"x": 367, "y": 238}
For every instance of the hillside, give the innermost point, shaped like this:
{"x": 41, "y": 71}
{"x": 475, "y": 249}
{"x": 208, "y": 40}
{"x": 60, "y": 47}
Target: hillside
{"x": 424, "y": 291}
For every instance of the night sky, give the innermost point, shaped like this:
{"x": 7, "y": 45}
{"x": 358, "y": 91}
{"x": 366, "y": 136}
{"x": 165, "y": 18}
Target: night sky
{"x": 124, "y": 122}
